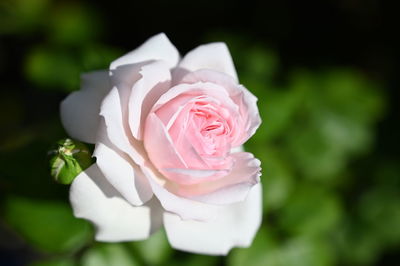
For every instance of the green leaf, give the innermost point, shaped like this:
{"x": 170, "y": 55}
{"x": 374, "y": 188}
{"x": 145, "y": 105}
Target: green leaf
{"x": 200, "y": 260}
{"x": 380, "y": 210}
{"x": 53, "y": 69}
{"x": 74, "y": 24}
{"x": 97, "y": 56}
{"x": 305, "y": 252}
{"x": 260, "y": 253}
{"x": 55, "y": 262}
{"x": 277, "y": 177}
{"x": 277, "y": 110}
{"x": 22, "y": 16}
{"x": 265, "y": 251}
{"x": 332, "y": 121}
{"x": 155, "y": 250}
{"x": 356, "y": 243}
{"x": 310, "y": 211}
{"x": 260, "y": 63}
{"x": 47, "y": 225}
{"x": 107, "y": 255}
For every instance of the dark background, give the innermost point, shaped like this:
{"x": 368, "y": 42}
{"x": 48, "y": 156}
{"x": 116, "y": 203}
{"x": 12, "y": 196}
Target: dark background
{"x": 329, "y": 200}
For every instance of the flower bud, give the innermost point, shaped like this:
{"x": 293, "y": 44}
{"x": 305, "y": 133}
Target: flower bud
{"x": 68, "y": 159}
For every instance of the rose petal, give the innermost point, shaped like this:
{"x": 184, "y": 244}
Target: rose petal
{"x": 163, "y": 154}
{"x": 124, "y": 77}
{"x": 80, "y": 110}
{"x": 228, "y": 189}
{"x": 159, "y": 146}
{"x": 185, "y": 208}
{"x": 248, "y": 108}
{"x": 173, "y": 106}
{"x": 226, "y": 195}
{"x": 235, "y": 226}
{"x": 207, "y": 75}
{"x": 242, "y": 97}
{"x": 94, "y": 199}
{"x": 193, "y": 176}
{"x": 237, "y": 149}
{"x": 177, "y": 97}
{"x": 214, "y": 56}
{"x": 122, "y": 172}
{"x": 157, "y": 47}
{"x": 154, "y": 82}
{"x": 117, "y": 130}
{"x": 233, "y": 187}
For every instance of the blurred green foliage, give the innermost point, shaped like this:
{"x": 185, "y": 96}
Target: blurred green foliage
{"x": 320, "y": 209}
{"x": 47, "y": 225}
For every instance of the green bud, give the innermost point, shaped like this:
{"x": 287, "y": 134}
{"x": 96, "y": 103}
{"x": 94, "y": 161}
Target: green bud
{"x": 68, "y": 160}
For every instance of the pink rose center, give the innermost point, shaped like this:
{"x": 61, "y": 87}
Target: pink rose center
{"x": 200, "y": 127}
{"x": 205, "y": 126}
{"x": 213, "y": 127}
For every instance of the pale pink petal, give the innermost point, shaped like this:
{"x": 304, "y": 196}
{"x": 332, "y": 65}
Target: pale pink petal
{"x": 214, "y": 56}
{"x": 227, "y": 195}
{"x": 193, "y": 89}
{"x": 242, "y": 97}
{"x": 235, "y": 226}
{"x": 183, "y": 93}
{"x": 154, "y": 82}
{"x": 230, "y": 188}
{"x": 80, "y": 110}
{"x": 122, "y": 172}
{"x": 173, "y": 101}
{"x": 117, "y": 130}
{"x": 185, "y": 145}
{"x": 248, "y": 108}
{"x": 163, "y": 154}
{"x": 188, "y": 176}
{"x": 94, "y": 199}
{"x": 185, "y": 208}
{"x": 157, "y": 47}
{"x": 159, "y": 146}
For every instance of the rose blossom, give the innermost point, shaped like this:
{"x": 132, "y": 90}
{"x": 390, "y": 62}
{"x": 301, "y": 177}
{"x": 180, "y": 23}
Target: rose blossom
{"x": 168, "y": 135}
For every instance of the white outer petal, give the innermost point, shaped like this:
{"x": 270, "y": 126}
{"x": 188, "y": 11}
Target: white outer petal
{"x": 155, "y": 81}
{"x": 116, "y": 132}
{"x": 237, "y": 149}
{"x": 186, "y": 208}
{"x": 214, "y": 56}
{"x": 122, "y": 172}
{"x": 94, "y": 199}
{"x": 157, "y": 47}
{"x": 235, "y": 226}
{"x": 80, "y": 110}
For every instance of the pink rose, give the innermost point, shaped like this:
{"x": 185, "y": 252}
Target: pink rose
{"x": 168, "y": 135}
